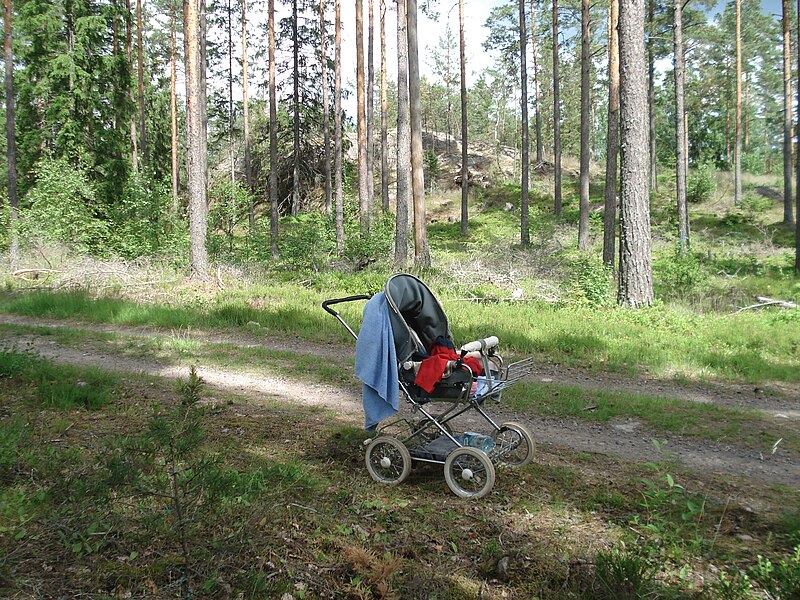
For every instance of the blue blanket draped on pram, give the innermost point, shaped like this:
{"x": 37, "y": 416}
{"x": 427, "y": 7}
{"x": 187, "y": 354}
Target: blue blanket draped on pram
{"x": 376, "y": 363}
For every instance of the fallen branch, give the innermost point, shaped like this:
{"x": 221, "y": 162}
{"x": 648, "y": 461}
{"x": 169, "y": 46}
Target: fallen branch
{"x": 21, "y": 272}
{"x": 763, "y": 301}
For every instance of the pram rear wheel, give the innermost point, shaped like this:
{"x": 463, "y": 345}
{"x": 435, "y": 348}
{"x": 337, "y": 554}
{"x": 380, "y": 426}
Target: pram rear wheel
{"x": 469, "y": 473}
{"x": 514, "y": 445}
{"x": 388, "y": 460}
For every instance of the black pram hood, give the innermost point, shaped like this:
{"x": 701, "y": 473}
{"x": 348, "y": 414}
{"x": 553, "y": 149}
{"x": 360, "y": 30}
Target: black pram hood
{"x": 416, "y": 315}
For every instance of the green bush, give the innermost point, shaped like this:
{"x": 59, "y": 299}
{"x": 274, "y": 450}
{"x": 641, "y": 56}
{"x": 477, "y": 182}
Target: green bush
{"x": 679, "y": 274}
{"x": 701, "y": 184}
{"x": 230, "y": 208}
{"x": 307, "y": 241}
{"x": 590, "y": 282}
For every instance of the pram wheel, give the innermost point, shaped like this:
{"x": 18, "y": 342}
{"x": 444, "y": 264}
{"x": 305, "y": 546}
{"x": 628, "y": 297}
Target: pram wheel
{"x": 388, "y": 460}
{"x": 514, "y": 445}
{"x": 469, "y": 473}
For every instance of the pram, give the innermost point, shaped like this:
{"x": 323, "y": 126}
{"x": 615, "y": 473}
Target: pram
{"x": 419, "y": 325}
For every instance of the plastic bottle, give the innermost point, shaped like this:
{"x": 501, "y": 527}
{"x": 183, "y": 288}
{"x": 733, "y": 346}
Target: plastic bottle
{"x": 477, "y": 440}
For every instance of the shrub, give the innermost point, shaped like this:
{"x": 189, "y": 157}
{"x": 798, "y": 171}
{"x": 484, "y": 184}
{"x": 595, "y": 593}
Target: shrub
{"x": 702, "y": 184}
{"x": 591, "y": 282}
{"x": 679, "y": 274}
{"x": 230, "y": 206}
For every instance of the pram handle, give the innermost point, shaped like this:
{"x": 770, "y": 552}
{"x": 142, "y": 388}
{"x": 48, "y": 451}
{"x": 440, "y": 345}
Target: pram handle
{"x": 327, "y": 306}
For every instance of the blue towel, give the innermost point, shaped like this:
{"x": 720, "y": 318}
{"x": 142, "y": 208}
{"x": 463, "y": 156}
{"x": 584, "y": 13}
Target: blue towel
{"x": 376, "y": 363}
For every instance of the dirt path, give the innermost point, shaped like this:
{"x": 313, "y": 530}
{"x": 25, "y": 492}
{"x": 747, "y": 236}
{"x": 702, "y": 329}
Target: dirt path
{"x": 629, "y": 440}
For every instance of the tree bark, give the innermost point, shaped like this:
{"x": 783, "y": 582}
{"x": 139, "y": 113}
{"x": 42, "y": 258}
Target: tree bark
{"x": 274, "y": 201}
{"x": 296, "y": 111}
{"x": 537, "y": 104}
{"x": 173, "y": 108}
{"x": 370, "y": 97}
{"x": 140, "y": 77}
{"x": 337, "y": 134}
{"x": 737, "y": 150}
{"x": 788, "y": 215}
{"x": 556, "y": 118}
{"x": 384, "y": 115}
{"x": 248, "y": 169}
{"x": 651, "y": 96}
{"x": 11, "y": 136}
{"x": 464, "y": 123}
{"x": 422, "y": 254}
{"x": 525, "y": 238}
{"x": 361, "y": 123}
{"x": 231, "y": 154}
{"x": 196, "y": 160}
{"x": 403, "y": 141}
{"x": 129, "y": 56}
{"x": 797, "y": 157}
{"x": 612, "y": 139}
{"x": 326, "y": 120}
{"x": 680, "y": 131}
{"x": 635, "y": 268}
{"x": 583, "y": 220}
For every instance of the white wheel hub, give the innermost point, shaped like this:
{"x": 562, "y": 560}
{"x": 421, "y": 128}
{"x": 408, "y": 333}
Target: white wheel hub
{"x": 467, "y": 474}
{"x": 386, "y": 462}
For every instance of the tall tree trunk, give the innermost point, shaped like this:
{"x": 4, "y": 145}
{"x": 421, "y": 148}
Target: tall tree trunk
{"x": 326, "y": 120}
{"x": 464, "y": 127}
{"x": 361, "y": 122}
{"x": 797, "y": 157}
{"x": 635, "y": 267}
{"x": 737, "y": 150}
{"x": 403, "y": 141}
{"x": 370, "y": 91}
{"x": 728, "y": 122}
{"x": 583, "y": 220}
{"x": 11, "y": 135}
{"x": 651, "y": 96}
{"x": 680, "y": 131}
{"x": 422, "y": 254}
{"x": 248, "y": 169}
{"x": 556, "y": 117}
{"x": 231, "y": 154}
{"x": 337, "y": 134}
{"x": 537, "y": 104}
{"x": 140, "y": 71}
{"x": 296, "y": 112}
{"x": 204, "y": 96}
{"x": 129, "y": 56}
{"x": 788, "y": 216}
{"x": 196, "y": 160}
{"x": 274, "y": 201}
{"x": 612, "y": 137}
{"x": 173, "y": 107}
{"x": 746, "y": 112}
{"x": 523, "y": 97}
{"x": 384, "y": 115}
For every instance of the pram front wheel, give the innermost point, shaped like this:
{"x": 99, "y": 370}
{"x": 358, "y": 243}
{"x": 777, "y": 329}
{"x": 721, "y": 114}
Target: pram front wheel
{"x": 514, "y": 445}
{"x": 388, "y": 460}
{"x": 469, "y": 473}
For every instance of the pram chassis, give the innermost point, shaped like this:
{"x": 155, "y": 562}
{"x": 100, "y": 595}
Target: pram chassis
{"x": 469, "y": 472}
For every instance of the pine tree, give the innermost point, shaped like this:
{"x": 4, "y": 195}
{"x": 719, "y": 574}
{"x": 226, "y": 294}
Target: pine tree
{"x": 612, "y": 139}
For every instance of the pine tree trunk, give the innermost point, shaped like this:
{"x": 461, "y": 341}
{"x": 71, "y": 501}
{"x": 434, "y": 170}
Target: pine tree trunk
{"x": 173, "y": 109}
{"x": 370, "y": 96}
{"x": 422, "y": 254}
{"x": 680, "y": 131}
{"x": 129, "y": 56}
{"x": 296, "y": 112}
{"x": 788, "y": 216}
{"x": 361, "y": 123}
{"x": 797, "y": 162}
{"x": 464, "y": 123}
{"x": 537, "y": 103}
{"x": 11, "y": 135}
{"x": 337, "y": 134}
{"x": 204, "y": 97}
{"x": 403, "y": 141}
{"x": 231, "y": 154}
{"x": 140, "y": 71}
{"x": 612, "y": 139}
{"x": 746, "y": 112}
{"x": 274, "y": 201}
{"x": 583, "y": 220}
{"x": 737, "y": 150}
{"x": 635, "y": 268}
{"x": 196, "y": 161}
{"x": 526, "y": 161}
{"x": 248, "y": 169}
{"x": 556, "y": 117}
{"x": 384, "y": 115}
{"x": 326, "y": 120}
{"x": 651, "y": 97}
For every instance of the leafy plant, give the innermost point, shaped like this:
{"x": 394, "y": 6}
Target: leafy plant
{"x": 622, "y": 574}
{"x": 780, "y": 579}
{"x": 701, "y": 184}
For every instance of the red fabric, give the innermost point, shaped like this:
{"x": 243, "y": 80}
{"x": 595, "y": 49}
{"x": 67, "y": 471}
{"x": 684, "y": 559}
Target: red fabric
{"x": 431, "y": 370}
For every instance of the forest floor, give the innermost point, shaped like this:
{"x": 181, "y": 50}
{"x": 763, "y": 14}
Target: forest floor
{"x": 626, "y": 438}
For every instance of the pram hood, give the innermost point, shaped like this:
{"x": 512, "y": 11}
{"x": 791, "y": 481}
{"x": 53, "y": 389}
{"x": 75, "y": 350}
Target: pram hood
{"x": 416, "y": 315}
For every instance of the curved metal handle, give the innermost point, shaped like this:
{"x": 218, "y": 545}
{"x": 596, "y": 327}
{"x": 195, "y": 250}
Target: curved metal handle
{"x": 326, "y": 305}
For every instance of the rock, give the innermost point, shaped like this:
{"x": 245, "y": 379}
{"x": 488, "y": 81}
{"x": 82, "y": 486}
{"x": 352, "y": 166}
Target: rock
{"x": 743, "y": 537}
{"x": 502, "y": 568}
{"x": 253, "y": 324}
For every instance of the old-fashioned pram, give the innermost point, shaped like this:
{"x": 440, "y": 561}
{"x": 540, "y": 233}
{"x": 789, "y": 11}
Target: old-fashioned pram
{"x": 418, "y": 325}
